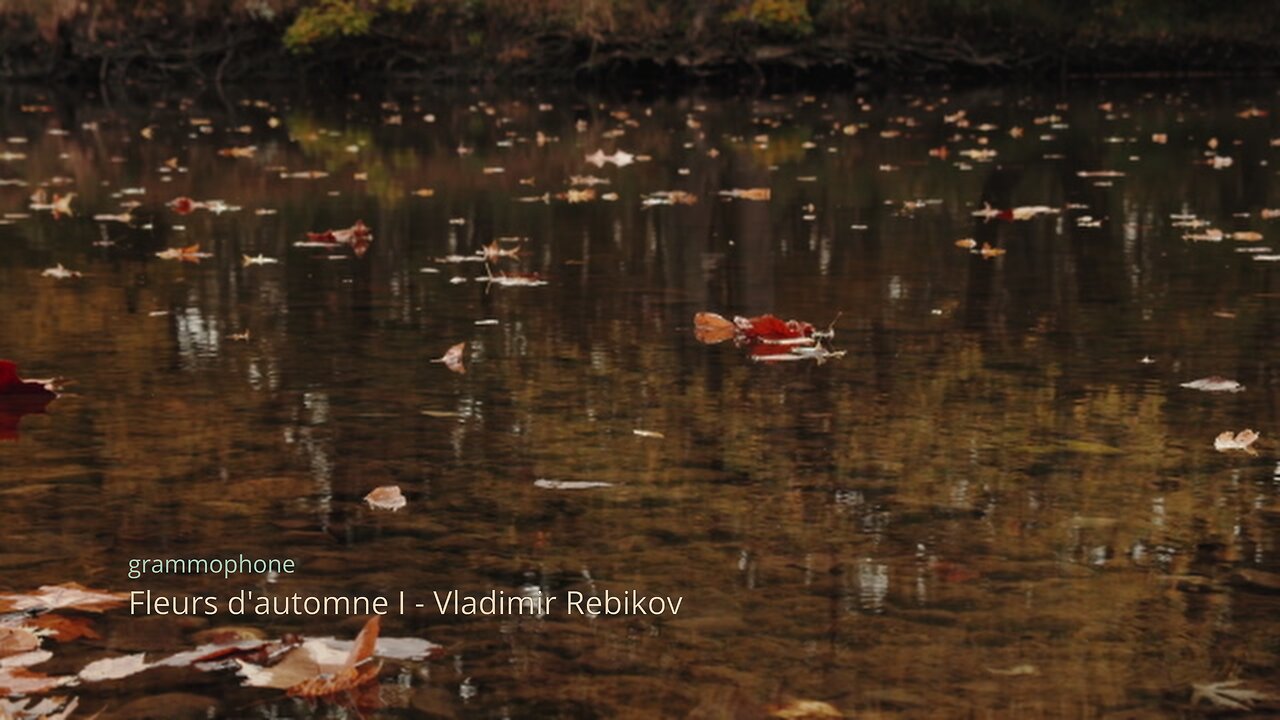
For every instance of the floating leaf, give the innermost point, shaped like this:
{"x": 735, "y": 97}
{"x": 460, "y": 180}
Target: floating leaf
{"x": 357, "y": 237}
{"x": 387, "y": 497}
{"x": 453, "y": 358}
{"x": 710, "y": 328}
{"x": 1225, "y": 694}
{"x": 190, "y": 254}
{"x": 1214, "y": 383}
{"x": 58, "y": 272}
{"x": 546, "y": 484}
{"x": 748, "y": 194}
{"x": 50, "y": 708}
{"x": 64, "y": 628}
{"x": 68, "y": 596}
{"x": 619, "y": 158}
{"x": 316, "y": 669}
{"x": 114, "y": 668}
{"x": 17, "y": 640}
{"x": 1240, "y": 441}
{"x": 805, "y": 710}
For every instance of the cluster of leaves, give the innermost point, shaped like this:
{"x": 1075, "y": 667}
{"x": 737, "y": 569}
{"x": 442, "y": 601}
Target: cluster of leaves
{"x": 319, "y": 668}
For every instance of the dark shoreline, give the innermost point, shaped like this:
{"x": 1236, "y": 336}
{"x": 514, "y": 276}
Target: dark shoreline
{"x": 232, "y": 51}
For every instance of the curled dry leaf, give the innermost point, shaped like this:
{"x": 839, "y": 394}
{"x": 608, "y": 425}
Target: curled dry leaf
{"x": 317, "y": 668}
{"x": 387, "y": 497}
{"x": 1239, "y": 441}
{"x": 1214, "y": 383}
{"x": 453, "y": 358}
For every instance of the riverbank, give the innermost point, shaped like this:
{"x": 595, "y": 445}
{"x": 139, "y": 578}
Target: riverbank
{"x": 620, "y": 41}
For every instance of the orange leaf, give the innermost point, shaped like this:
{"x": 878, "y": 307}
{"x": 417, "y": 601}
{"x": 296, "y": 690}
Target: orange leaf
{"x": 66, "y": 629}
{"x": 17, "y": 640}
{"x": 358, "y": 669}
{"x": 365, "y": 643}
{"x": 711, "y": 328}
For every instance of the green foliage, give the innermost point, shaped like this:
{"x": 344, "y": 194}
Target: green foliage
{"x": 789, "y": 18}
{"x": 327, "y": 19}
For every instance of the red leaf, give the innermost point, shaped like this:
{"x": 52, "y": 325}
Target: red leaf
{"x": 772, "y": 328}
{"x": 765, "y": 351}
{"x": 182, "y": 205}
{"x": 357, "y": 237}
{"x": 19, "y": 397}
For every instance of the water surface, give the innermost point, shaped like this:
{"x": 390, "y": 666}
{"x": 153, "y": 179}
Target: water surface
{"x": 999, "y": 503}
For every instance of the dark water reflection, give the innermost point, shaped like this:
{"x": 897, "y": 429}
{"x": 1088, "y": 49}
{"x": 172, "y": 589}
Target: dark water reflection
{"x": 990, "y": 479}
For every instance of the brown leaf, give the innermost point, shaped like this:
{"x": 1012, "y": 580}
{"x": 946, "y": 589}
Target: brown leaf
{"x": 15, "y": 640}
{"x": 387, "y": 497}
{"x": 453, "y": 358}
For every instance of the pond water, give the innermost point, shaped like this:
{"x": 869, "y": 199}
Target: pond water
{"x": 999, "y": 502}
